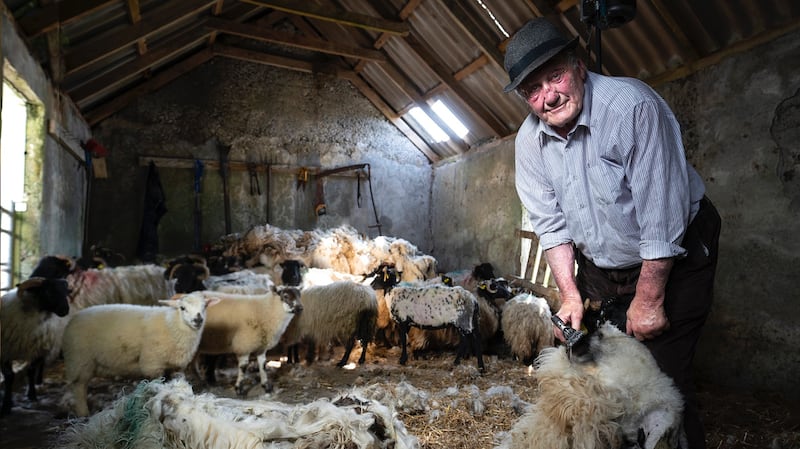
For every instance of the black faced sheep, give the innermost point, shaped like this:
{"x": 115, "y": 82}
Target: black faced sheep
{"x": 343, "y": 311}
{"x": 32, "y": 317}
{"x": 613, "y": 396}
{"x": 248, "y": 324}
{"x": 435, "y": 307}
{"x": 526, "y": 326}
{"x": 130, "y": 341}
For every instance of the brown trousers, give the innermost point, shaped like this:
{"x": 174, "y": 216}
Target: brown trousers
{"x": 687, "y": 302}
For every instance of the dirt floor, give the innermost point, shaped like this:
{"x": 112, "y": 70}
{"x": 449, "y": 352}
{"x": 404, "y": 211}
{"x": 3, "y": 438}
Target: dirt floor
{"x": 452, "y": 418}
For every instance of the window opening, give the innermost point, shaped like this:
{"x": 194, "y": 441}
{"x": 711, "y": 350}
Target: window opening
{"x": 12, "y": 181}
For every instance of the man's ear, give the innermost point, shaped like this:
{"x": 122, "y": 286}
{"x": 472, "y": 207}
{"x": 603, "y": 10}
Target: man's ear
{"x": 581, "y": 69}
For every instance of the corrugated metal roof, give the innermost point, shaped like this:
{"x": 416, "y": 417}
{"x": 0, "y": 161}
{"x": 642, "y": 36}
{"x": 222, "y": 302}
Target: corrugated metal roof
{"x": 399, "y": 53}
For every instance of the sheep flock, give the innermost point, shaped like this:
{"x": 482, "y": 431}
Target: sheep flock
{"x": 132, "y": 323}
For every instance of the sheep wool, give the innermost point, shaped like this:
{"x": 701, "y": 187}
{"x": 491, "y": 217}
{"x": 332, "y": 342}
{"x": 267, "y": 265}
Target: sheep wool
{"x": 340, "y": 311}
{"x": 130, "y": 341}
{"x": 526, "y": 325}
{"x": 248, "y": 324}
{"x": 601, "y": 399}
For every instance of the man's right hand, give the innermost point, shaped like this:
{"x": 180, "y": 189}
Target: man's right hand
{"x": 571, "y": 312}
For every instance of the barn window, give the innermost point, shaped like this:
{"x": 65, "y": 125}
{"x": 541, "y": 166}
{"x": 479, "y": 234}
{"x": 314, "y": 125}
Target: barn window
{"x": 445, "y": 115}
{"x": 12, "y": 192}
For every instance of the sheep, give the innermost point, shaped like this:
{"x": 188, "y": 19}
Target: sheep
{"x": 340, "y": 311}
{"x": 33, "y": 318}
{"x": 526, "y": 326}
{"x": 131, "y": 284}
{"x": 613, "y": 395}
{"x": 246, "y": 324}
{"x": 434, "y": 307}
{"x": 130, "y": 341}
{"x": 490, "y": 294}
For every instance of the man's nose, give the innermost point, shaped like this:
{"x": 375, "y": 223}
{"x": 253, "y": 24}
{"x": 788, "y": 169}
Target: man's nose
{"x": 550, "y": 94}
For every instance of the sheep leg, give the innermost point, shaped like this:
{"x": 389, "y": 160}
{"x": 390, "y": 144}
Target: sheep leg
{"x": 293, "y": 353}
{"x": 262, "y": 372}
{"x": 348, "y": 348}
{"x": 476, "y": 346}
{"x": 363, "y": 357}
{"x": 462, "y": 348}
{"x": 8, "y": 375}
{"x": 80, "y": 405}
{"x": 211, "y": 367}
{"x": 403, "y": 343}
{"x": 34, "y": 371}
{"x": 243, "y": 362}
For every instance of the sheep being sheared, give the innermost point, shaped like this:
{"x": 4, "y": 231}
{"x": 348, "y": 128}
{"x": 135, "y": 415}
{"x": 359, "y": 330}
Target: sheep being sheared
{"x": 614, "y": 396}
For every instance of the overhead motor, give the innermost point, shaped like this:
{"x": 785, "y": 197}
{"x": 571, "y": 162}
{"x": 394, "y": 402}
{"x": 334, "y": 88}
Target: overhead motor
{"x": 606, "y": 14}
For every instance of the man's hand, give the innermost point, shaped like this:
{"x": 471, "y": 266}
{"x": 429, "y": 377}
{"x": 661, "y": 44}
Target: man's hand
{"x": 646, "y": 316}
{"x": 571, "y": 312}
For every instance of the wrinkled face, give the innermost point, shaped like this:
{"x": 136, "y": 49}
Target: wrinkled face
{"x": 554, "y": 92}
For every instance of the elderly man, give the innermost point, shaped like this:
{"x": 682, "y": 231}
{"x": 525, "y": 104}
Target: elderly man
{"x": 601, "y": 169}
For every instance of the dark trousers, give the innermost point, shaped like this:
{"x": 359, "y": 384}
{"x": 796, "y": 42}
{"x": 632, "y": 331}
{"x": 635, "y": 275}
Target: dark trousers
{"x": 687, "y": 303}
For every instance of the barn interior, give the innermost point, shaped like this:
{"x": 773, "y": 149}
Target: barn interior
{"x": 227, "y": 115}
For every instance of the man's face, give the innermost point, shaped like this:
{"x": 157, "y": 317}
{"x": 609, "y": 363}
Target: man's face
{"x": 555, "y": 92}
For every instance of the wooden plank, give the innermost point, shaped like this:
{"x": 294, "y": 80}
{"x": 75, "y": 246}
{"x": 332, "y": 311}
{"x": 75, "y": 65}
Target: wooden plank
{"x": 279, "y": 61}
{"x": 50, "y": 17}
{"x": 108, "y": 43}
{"x": 111, "y": 80}
{"x": 306, "y": 43}
{"x": 335, "y": 15}
{"x": 242, "y": 166}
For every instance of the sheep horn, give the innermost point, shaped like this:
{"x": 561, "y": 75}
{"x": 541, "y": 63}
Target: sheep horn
{"x": 30, "y": 283}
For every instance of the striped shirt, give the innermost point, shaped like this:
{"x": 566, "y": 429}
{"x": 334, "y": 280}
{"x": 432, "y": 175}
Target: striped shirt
{"x": 619, "y": 186}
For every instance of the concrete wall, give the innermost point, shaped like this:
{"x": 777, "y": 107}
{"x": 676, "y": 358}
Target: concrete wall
{"x": 742, "y": 129}
{"x": 476, "y": 210}
{"x": 263, "y": 114}
{"x": 55, "y": 181}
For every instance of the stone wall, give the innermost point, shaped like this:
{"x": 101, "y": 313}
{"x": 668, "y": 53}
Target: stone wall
{"x": 263, "y": 115}
{"x": 742, "y": 130}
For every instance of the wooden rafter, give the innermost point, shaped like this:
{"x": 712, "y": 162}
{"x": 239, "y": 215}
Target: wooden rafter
{"x": 469, "y": 25}
{"x": 307, "y": 43}
{"x": 329, "y": 14}
{"x": 278, "y": 61}
{"x": 112, "y": 80}
{"x": 108, "y": 43}
{"x": 61, "y": 13}
{"x": 158, "y": 81}
{"x": 136, "y": 17}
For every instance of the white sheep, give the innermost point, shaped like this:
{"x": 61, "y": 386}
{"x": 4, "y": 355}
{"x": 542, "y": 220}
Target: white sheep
{"x": 613, "y": 395}
{"x": 342, "y": 311}
{"x": 130, "y": 341}
{"x": 434, "y": 307}
{"x": 130, "y": 284}
{"x": 248, "y": 324}
{"x": 32, "y": 317}
{"x": 526, "y": 326}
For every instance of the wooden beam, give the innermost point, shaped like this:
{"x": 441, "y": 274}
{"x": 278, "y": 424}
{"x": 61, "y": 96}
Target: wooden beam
{"x": 471, "y": 27}
{"x": 112, "y": 80}
{"x": 49, "y": 18}
{"x": 155, "y": 83}
{"x": 478, "y": 109}
{"x": 136, "y": 17}
{"x": 282, "y": 62}
{"x": 715, "y": 58}
{"x": 306, "y": 43}
{"x": 330, "y": 14}
{"x": 108, "y": 43}
{"x": 472, "y": 67}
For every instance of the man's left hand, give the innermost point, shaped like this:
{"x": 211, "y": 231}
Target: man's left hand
{"x": 646, "y": 318}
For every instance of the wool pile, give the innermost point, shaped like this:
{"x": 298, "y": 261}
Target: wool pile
{"x": 169, "y": 415}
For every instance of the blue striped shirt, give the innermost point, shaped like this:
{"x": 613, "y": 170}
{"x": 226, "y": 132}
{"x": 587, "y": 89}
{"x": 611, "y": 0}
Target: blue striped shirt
{"x": 619, "y": 186}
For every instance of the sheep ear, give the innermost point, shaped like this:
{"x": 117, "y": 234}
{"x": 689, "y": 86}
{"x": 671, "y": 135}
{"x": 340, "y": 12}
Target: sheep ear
{"x": 212, "y": 301}
{"x": 30, "y": 283}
